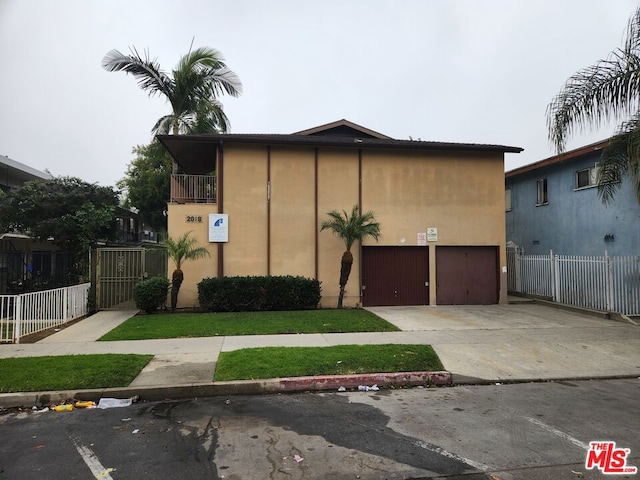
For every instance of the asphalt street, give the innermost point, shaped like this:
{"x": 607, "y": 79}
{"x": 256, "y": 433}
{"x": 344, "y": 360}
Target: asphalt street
{"x": 494, "y": 432}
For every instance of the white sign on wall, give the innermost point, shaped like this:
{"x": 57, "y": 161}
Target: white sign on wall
{"x": 422, "y": 238}
{"x": 432, "y": 234}
{"x": 218, "y": 227}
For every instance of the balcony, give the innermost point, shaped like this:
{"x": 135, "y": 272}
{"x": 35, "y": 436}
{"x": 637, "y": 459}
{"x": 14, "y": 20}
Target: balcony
{"x": 193, "y": 188}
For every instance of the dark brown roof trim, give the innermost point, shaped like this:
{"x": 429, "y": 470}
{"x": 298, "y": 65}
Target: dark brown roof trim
{"x": 328, "y": 141}
{"x": 593, "y": 147}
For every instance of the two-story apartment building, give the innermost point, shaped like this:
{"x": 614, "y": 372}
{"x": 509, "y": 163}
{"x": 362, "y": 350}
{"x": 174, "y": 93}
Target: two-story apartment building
{"x": 553, "y": 205}
{"x": 20, "y": 257}
{"x": 256, "y": 201}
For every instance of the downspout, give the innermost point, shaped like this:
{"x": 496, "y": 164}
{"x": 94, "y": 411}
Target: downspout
{"x": 360, "y": 205}
{"x": 220, "y": 205}
{"x": 268, "y": 209}
{"x": 316, "y": 233}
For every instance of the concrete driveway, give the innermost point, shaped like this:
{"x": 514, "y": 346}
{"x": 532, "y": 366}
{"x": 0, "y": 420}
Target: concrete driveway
{"x": 521, "y": 342}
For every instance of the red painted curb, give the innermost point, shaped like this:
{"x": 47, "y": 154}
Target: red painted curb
{"x": 333, "y": 382}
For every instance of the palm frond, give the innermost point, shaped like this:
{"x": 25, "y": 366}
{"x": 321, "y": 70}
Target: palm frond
{"x": 352, "y": 227}
{"x": 200, "y": 59}
{"x": 184, "y": 248}
{"x": 163, "y": 125}
{"x": 620, "y": 157}
{"x": 224, "y": 80}
{"x": 607, "y": 90}
{"x": 148, "y": 73}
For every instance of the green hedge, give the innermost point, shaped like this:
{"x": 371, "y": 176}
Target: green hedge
{"x": 243, "y": 294}
{"x": 151, "y": 294}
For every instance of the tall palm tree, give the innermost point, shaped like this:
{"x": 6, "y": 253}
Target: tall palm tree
{"x": 607, "y": 90}
{"x": 179, "y": 250}
{"x": 350, "y": 227}
{"x": 192, "y": 89}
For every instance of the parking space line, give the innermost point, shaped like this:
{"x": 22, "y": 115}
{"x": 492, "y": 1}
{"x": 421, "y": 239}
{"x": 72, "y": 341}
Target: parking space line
{"x": 559, "y": 433}
{"x": 92, "y": 461}
{"x": 441, "y": 451}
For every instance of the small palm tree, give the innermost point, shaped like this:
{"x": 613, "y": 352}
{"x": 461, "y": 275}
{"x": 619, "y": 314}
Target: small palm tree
{"x": 350, "y": 228}
{"x": 184, "y": 248}
{"x": 607, "y": 90}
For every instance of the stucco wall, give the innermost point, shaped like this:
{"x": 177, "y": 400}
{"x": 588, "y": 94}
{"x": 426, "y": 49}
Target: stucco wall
{"x": 276, "y": 230}
{"x": 463, "y": 197}
{"x": 180, "y": 221}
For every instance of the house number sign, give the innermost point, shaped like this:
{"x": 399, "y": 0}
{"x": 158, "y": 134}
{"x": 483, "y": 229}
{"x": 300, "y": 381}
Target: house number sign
{"x": 194, "y": 218}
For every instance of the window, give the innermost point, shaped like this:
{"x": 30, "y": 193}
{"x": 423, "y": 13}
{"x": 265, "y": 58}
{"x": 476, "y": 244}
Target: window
{"x": 542, "y": 199}
{"x": 507, "y": 199}
{"x": 587, "y": 177}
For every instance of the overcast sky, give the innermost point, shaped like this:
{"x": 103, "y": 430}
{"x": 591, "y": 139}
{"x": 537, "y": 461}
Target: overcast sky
{"x": 472, "y": 71}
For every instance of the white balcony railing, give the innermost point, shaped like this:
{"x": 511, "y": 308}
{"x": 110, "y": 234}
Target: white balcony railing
{"x": 193, "y": 188}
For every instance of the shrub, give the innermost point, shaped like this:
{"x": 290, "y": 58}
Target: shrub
{"x": 242, "y": 294}
{"x": 151, "y": 294}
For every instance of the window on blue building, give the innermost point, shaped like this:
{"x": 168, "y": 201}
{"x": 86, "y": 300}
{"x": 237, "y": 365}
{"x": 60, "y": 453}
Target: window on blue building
{"x": 587, "y": 177}
{"x": 543, "y": 198}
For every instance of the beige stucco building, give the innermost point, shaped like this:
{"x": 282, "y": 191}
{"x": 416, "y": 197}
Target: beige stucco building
{"x": 256, "y": 202}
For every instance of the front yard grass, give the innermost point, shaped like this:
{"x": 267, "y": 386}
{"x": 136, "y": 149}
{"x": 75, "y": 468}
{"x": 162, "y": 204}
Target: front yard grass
{"x": 280, "y": 362}
{"x": 69, "y": 372}
{"x": 180, "y": 325}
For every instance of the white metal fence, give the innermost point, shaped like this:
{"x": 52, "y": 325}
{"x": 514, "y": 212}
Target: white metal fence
{"x": 598, "y": 282}
{"x": 29, "y": 313}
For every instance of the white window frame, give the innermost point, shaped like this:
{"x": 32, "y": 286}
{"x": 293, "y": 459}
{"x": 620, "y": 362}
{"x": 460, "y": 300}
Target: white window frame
{"x": 593, "y": 177}
{"x": 507, "y": 200}
{"x": 542, "y": 192}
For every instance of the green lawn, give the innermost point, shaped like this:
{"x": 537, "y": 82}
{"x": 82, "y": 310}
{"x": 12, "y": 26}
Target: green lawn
{"x": 165, "y": 325}
{"x": 279, "y": 362}
{"x": 69, "y": 372}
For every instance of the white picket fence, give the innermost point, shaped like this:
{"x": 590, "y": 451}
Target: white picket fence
{"x": 29, "y": 313}
{"x": 603, "y": 283}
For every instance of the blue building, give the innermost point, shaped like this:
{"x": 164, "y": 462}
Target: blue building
{"x": 554, "y": 205}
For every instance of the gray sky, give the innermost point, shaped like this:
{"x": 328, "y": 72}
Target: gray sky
{"x": 476, "y": 71}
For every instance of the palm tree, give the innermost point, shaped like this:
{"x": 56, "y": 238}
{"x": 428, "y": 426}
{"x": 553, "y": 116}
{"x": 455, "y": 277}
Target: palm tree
{"x": 350, "y": 228}
{"x": 607, "y": 90}
{"x": 184, "y": 248}
{"x": 192, "y": 89}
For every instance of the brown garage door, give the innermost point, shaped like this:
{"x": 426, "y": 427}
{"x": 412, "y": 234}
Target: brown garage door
{"x": 395, "y": 276}
{"x": 467, "y": 275}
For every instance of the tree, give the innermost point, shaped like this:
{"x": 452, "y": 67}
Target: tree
{"x": 350, "y": 228}
{"x": 147, "y": 183}
{"x": 72, "y": 213}
{"x": 607, "y": 90}
{"x": 179, "y": 250}
{"x": 192, "y": 88}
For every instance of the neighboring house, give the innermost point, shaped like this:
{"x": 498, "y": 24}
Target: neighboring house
{"x": 256, "y": 202}
{"x": 22, "y": 259}
{"x": 26, "y": 264}
{"x": 553, "y": 205}
{"x": 131, "y": 231}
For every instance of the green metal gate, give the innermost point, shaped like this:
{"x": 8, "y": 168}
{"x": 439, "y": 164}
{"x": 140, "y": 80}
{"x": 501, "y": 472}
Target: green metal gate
{"x": 119, "y": 269}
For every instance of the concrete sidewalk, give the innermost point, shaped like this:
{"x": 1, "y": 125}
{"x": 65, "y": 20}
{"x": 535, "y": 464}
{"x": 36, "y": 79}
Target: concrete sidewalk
{"x": 477, "y": 344}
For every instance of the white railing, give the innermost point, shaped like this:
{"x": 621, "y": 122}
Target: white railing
{"x": 34, "y": 312}
{"x": 193, "y": 188}
{"x": 603, "y": 283}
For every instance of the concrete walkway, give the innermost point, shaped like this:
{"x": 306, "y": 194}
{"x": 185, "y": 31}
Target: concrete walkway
{"x": 497, "y": 343}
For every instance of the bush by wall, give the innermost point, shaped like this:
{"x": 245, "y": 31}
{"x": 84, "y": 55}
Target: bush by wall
{"x": 151, "y": 294}
{"x": 241, "y": 294}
